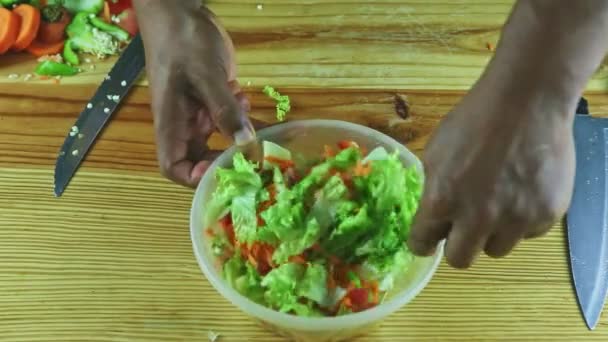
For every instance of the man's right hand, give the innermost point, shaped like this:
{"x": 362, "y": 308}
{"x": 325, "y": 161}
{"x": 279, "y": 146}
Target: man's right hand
{"x": 192, "y": 74}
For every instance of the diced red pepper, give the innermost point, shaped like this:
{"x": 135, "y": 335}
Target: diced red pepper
{"x": 117, "y": 6}
{"x": 359, "y": 298}
{"x": 226, "y": 223}
{"x": 344, "y": 144}
{"x": 260, "y": 256}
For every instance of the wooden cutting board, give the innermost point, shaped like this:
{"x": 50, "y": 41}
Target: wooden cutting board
{"x": 111, "y": 260}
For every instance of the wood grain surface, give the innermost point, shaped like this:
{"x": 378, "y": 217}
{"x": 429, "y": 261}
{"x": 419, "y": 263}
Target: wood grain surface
{"x": 111, "y": 259}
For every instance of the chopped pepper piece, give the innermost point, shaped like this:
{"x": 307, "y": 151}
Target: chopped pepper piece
{"x": 78, "y": 6}
{"x": 113, "y": 30}
{"x": 50, "y": 68}
{"x": 85, "y": 37}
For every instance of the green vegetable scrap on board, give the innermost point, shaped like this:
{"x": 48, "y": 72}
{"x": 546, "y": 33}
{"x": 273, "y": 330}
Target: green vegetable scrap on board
{"x": 51, "y": 68}
{"x": 283, "y": 102}
{"x": 325, "y": 240}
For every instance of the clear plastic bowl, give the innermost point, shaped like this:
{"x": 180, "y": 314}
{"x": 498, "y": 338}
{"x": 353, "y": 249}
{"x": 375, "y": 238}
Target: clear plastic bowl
{"x": 308, "y": 138}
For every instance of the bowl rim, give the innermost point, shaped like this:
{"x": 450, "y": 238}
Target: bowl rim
{"x": 298, "y": 322}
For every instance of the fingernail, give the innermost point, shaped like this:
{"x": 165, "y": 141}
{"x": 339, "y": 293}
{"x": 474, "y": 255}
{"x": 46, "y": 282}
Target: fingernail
{"x": 244, "y": 136}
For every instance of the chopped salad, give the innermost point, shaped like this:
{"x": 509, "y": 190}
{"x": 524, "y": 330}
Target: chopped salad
{"x": 317, "y": 238}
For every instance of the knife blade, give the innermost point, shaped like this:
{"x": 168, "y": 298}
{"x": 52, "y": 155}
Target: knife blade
{"x": 587, "y": 221}
{"x": 98, "y": 112}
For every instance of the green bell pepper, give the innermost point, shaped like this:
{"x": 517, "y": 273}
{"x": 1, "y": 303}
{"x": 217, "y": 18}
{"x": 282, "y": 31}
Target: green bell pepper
{"x": 69, "y": 55}
{"x": 50, "y": 68}
{"x": 77, "y": 6}
{"x": 113, "y": 30}
{"x": 89, "y": 34}
{"x": 11, "y": 3}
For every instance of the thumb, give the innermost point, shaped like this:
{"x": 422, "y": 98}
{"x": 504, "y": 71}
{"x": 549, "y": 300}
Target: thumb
{"x": 227, "y": 112}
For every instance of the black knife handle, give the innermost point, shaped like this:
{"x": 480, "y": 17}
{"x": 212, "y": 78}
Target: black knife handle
{"x": 582, "y": 107}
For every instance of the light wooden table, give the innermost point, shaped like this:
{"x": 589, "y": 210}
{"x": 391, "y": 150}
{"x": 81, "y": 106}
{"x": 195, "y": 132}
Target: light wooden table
{"x": 111, "y": 260}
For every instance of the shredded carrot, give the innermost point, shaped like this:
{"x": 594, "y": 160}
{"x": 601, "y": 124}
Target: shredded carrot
{"x": 490, "y": 46}
{"x": 334, "y": 259}
{"x": 226, "y": 224}
{"x": 252, "y": 260}
{"x": 347, "y": 302}
{"x": 298, "y": 259}
{"x": 210, "y": 232}
{"x": 347, "y": 179}
{"x": 282, "y": 163}
{"x": 56, "y": 81}
{"x": 375, "y": 292}
{"x": 269, "y": 253}
{"x": 272, "y": 191}
{"x": 344, "y": 144}
{"x": 329, "y": 152}
{"x": 260, "y": 256}
{"x": 331, "y": 282}
{"x": 243, "y": 248}
{"x": 44, "y": 78}
{"x": 362, "y": 169}
{"x": 106, "y": 12}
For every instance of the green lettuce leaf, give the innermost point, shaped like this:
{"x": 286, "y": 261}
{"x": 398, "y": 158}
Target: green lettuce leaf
{"x": 316, "y": 177}
{"x": 334, "y": 189}
{"x": 281, "y": 284}
{"x": 313, "y": 284}
{"x": 346, "y": 235}
{"x": 238, "y": 189}
{"x": 298, "y": 243}
{"x": 329, "y": 200}
{"x": 386, "y": 268}
{"x": 391, "y": 193}
{"x": 244, "y": 278}
{"x": 244, "y": 218}
{"x": 388, "y": 240}
{"x": 289, "y": 283}
{"x": 346, "y": 158}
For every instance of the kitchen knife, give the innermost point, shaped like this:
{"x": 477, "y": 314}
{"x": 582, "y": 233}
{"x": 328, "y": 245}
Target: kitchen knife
{"x": 98, "y": 112}
{"x": 587, "y": 224}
